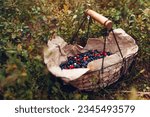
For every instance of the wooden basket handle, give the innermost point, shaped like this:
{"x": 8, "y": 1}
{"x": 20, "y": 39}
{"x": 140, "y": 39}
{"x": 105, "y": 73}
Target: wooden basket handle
{"x": 99, "y": 18}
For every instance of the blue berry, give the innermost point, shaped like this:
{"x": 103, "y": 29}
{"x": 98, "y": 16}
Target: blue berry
{"x": 108, "y": 53}
{"x": 82, "y": 60}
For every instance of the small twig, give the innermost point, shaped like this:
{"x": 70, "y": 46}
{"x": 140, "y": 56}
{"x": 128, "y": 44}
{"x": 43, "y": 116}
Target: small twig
{"x": 138, "y": 92}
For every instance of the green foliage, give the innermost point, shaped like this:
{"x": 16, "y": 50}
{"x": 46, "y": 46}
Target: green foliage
{"x": 26, "y": 25}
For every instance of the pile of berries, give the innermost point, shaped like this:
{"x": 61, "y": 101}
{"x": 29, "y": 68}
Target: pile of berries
{"x": 81, "y": 60}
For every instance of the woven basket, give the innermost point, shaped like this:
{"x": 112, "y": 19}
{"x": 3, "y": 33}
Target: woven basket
{"x": 102, "y": 76}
